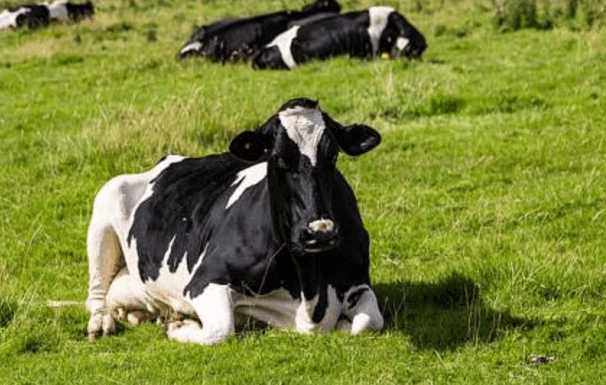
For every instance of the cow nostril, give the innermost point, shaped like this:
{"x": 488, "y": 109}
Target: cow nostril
{"x": 321, "y": 226}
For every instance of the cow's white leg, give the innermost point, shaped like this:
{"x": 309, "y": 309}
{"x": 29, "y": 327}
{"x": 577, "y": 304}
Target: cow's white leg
{"x": 185, "y": 331}
{"x": 126, "y": 299}
{"x": 215, "y": 309}
{"x": 104, "y": 261}
{"x": 364, "y": 312}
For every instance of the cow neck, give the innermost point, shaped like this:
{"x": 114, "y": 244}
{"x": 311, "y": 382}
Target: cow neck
{"x": 309, "y": 273}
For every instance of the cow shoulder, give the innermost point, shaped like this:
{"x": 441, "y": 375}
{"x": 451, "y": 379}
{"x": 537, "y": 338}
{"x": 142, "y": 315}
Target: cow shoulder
{"x": 178, "y": 202}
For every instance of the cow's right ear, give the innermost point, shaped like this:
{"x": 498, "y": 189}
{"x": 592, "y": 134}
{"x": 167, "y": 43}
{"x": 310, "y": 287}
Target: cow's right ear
{"x": 249, "y": 145}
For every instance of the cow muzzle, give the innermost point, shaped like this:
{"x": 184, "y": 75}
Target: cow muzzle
{"x": 319, "y": 236}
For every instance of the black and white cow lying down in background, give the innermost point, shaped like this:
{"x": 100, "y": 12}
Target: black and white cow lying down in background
{"x": 239, "y": 39}
{"x": 269, "y": 230}
{"x": 34, "y": 16}
{"x": 365, "y": 34}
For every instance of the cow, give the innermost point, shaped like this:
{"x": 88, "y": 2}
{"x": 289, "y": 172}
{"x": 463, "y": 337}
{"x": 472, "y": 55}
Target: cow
{"x": 34, "y": 15}
{"x": 269, "y": 230}
{"x": 239, "y": 39}
{"x": 28, "y": 15}
{"x": 365, "y": 34}
{"x": 65, "y": 11}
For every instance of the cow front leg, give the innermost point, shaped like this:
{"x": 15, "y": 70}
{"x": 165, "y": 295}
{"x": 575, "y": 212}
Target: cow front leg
{"x": 215, "y": 310}
{"x": 362, "y": 308}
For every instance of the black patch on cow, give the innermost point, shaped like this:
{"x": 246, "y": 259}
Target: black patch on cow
{"x": 77, "y": 12}
{"x": 183, "y": 192}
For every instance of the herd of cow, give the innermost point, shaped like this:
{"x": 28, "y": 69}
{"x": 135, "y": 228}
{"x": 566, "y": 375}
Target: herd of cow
{"x": 39, "y": 15}
{"x": 269, "y": 229}
{"x": 283, "y": 40}
{"x": 279, "y": 40}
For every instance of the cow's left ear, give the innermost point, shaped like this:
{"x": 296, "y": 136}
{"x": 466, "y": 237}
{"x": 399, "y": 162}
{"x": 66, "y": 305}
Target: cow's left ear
{"x": 356, "y": 139}
{"x": 249, "y": 145}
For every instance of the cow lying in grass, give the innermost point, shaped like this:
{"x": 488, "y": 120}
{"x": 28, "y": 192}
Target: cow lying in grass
{"x": 239, "y": 39}
{"x": 34, "y": 16}
{"x": 364, "y": 34}
{"x": 269, "y": 230}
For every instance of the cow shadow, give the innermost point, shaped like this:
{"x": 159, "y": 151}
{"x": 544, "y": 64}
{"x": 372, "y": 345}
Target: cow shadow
{"x": 445, "y": 314}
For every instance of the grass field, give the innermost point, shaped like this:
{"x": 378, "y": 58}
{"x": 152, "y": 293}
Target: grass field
{"x": 486, "y": 201}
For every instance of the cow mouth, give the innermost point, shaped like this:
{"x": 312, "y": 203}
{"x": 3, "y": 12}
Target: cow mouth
{"x": 314, "y": 246}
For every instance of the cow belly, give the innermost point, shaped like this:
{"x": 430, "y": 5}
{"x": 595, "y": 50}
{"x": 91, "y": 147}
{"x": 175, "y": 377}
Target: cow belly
{"x": 276, "y": 309}
{"x": 280, "y": 310}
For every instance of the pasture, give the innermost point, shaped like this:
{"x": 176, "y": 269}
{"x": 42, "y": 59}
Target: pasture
{"x": 486, "y": 201}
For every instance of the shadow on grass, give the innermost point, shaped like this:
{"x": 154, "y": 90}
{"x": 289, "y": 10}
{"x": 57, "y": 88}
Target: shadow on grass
{"x": 445, "y": 314}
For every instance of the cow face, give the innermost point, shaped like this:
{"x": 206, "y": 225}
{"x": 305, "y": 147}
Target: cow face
{"x": 301, "y": 144}
{"x": 323, "y": 6}
{"x": 81, "y": 11}
{"x": 402, "y": 39}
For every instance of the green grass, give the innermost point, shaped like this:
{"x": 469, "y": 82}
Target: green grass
{"x": 486, "y": 201}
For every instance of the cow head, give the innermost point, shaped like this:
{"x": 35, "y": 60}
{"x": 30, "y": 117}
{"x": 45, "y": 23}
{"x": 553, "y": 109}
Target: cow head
{"x": 322, "y": 6}
{"x": 79, "y": 12}
{"x": 301, "y": 144}
{"x": 400, "y": 38}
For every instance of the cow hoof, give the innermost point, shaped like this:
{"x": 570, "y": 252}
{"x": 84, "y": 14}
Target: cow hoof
{"x": 137, "y": 317}
{"x": 95, "y": 325}
{"x": 344, "y": 325}
{"x": 109, "y": 325}
{"x": 120, "y": 314}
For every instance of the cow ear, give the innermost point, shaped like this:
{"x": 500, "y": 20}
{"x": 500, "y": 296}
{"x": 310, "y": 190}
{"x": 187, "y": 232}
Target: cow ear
{"x": 357, "y": 139}
{"x": 249, "y": 145}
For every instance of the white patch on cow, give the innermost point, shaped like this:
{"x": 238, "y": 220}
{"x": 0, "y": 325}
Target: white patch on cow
{"x": 107, "y": 245}
{"x": 168, "y": 288}
{"x": 378, "y": 21}
{"x": 305, "y": 127}
{"x": 186, "y": 331}
{"x": 279, "y": 309}
{"x": 58, "y": 10}
{"x": 283, "y": 41}
{"x": 276, "y": 308}
{"x": 195, "y": 46}
{"x": 401, "y": 43}
{"x": 247, "y": 178}
{"x": 322, "y": 226}
{"x": 215, "y": 309}
{"x": 8, "y": 19}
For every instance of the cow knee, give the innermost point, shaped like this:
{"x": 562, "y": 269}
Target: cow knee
{"x": 190, "y": 331}
{"x": 363, "y": 310}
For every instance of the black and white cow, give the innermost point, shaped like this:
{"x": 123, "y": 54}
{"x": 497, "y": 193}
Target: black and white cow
{"x": 269, "y": 230}
{"x": 365, "y": 34}
{"x": 239, "y": 39}
{"x": 34, "y": 15}
{"x": 28, "y": 15}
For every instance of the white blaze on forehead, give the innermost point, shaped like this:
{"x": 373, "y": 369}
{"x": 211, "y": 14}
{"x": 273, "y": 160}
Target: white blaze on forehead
{"x": 195, "y": 46}
{"x": 283, "y": 41}
{"x": 401, "y": 43}
{"x": 9, "y": 19}
{"x": 305, "y": 127}
{"x": 246, "y": 178}
{"x": 377, "y": 23}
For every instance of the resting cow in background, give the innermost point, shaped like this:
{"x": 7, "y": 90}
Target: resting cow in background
{"x": 269, "y": 230}
{"x": 34, "y": 16}
{"x": 365, "y": 34}
{"x": 239, "y": 39}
